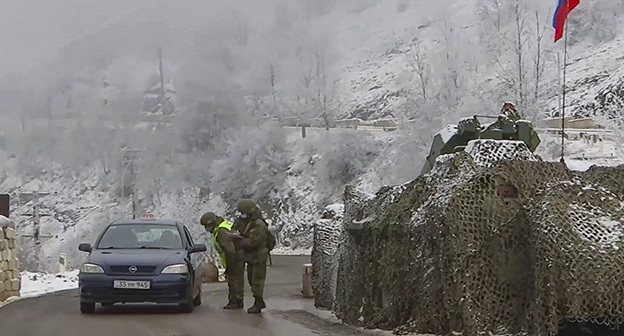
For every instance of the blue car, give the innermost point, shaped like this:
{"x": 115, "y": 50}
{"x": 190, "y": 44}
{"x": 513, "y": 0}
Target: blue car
{"x": 138, "y": 261}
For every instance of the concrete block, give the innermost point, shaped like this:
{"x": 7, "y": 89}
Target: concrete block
{"x": 4, "y": 244}
{"x": 307, "y": 281}
{"x": 3, "y": 295}
{"x": 16, "y": 285}
{"x": 13, "y": 264}
{"x": 2, "y": 288}
{"x": 4, "y": 276}
{"x": 8, "y": 254}
{"x": 209, "y": 272}
{"x": 11, "y": 244}
{"x": 4, "y": 265}
{"x": 7, "y": 285}
{"x": 14, "y": 293}
{"x": 10, "y": 233}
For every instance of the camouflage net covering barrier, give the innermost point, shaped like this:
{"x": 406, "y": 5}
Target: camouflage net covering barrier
{"x": 327, "y": 233}
{"x": 492, "y": 240}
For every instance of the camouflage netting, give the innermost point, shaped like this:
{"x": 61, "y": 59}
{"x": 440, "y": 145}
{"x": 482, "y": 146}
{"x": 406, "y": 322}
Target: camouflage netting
{"x": 450, "y": 251}
{"x": 327, "y": 233}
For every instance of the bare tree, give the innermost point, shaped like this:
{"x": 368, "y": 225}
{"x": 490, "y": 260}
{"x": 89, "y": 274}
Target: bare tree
{"x": 421, "y": 68}
{"x": 323, "y": 92}
{"x": 519, "y": 44}
{"x": 539, "y": 66}
{"x": 273, "y": 90}
{"x": 451, "y": 66}
{"x": 318, "y": 92}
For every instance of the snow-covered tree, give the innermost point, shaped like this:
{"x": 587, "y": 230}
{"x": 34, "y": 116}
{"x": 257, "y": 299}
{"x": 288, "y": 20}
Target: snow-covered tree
{"x": 255, "y": 165}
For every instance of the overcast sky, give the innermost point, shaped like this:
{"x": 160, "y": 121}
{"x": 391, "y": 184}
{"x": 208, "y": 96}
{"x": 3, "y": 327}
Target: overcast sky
{"x": 31, "y": 31}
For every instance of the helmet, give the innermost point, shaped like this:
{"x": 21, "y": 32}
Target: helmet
{"x": 208, "y": 219}
{"x": 247, "y": 206}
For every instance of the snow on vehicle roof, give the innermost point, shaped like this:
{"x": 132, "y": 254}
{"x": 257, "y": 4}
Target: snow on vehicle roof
{"x": 447, "y": 132}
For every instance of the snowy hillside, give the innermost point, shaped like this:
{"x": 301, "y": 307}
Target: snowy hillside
{"x": 79, "y": 207}
{"x": 595, "y": 80}
{"x": 425, "y": 62}
{"x": 379, "y": 79}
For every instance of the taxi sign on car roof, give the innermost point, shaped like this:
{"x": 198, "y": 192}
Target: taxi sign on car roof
{"x": 147, "y": 216}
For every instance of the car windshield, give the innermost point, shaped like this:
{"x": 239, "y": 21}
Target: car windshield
{"x": 141, "y": 236}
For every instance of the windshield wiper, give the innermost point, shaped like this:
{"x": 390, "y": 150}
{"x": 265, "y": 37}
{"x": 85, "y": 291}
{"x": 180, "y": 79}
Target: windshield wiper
{"x": 153, "y": 248}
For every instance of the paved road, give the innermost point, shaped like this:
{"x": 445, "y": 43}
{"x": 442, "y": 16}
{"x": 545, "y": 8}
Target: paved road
{"x": 287, "y": 313}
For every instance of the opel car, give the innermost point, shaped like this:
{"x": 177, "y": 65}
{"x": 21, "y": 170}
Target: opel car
{"x": 141, "y": 261}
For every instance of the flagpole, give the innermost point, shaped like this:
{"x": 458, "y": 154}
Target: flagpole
{"x": 565, "y": 61}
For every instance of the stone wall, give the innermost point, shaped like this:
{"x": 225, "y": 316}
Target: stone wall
{"x": 9, "y": 264}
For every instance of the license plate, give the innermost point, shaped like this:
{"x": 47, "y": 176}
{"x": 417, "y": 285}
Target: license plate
{"x": 123, "y": 284}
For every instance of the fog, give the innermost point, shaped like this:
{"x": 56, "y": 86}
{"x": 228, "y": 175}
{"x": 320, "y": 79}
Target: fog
{"x": 33, "y": 31}
{"x": 211, "y": 43}
{"x": 80, "y": 84}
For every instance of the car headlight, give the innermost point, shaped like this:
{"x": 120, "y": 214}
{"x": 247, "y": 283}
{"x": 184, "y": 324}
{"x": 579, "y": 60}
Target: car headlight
{"x": 175, "y": 269}
{"x": 91, "y": 268}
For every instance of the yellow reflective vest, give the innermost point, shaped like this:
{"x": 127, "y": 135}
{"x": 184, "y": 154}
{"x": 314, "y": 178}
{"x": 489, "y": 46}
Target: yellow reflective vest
{"x": 228, "y": 226}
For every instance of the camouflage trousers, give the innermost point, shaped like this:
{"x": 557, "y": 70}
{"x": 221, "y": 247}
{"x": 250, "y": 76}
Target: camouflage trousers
{"x": 236, "y": 280}
{"x": 256, "y": 275}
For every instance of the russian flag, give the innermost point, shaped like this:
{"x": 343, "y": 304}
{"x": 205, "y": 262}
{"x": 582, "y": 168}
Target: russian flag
{"x": 561, "y": 14}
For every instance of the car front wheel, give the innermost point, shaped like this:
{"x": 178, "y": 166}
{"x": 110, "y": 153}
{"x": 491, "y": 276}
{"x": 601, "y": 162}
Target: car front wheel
{"x": 87, "y": 307}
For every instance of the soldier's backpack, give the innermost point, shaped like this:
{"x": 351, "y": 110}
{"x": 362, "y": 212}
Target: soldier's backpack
{"x": 271, "y": 241}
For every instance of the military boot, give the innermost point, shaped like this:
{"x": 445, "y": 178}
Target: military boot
{"x": 234, "y": 304}
{"x": 257, "y": 307}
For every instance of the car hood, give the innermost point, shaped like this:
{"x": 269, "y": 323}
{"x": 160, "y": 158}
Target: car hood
{"x": 136, "y": 257}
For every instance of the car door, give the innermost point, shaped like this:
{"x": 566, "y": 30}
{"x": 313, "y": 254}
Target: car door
{"x": 194, "y": 257}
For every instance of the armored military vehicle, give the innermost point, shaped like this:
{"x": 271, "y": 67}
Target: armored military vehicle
{"x": 508, "y": 126}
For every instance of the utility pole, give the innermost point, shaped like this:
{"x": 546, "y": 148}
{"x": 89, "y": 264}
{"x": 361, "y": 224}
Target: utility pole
{"x": 565, "y": 60}
{"x": 129, "y": 160}
{"x": 162, "y": 76}
{"x": 36, "y": 216}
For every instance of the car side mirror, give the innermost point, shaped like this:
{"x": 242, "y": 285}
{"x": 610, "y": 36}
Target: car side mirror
{"x": 85, "y": 247}
{"x": 198, "y": 248}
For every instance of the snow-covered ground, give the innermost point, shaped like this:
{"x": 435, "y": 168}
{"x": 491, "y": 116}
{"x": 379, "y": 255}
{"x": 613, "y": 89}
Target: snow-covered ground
{"x": 580, "y": 155}
{"x": 283, "y": 251}
{"x": 37, "y": 284}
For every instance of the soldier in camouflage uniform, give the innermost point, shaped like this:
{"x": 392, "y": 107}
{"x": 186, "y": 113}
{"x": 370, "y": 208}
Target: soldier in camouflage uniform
{"x": 234, "y": 265}
{"x": 255, "y": 249}
{"x": 506, "y": 118}
{"x": 510, "y": 112}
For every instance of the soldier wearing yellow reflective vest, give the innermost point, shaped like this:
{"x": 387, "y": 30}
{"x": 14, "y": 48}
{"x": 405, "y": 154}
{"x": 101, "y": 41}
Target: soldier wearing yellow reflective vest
{"x": 223, "y": 242}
